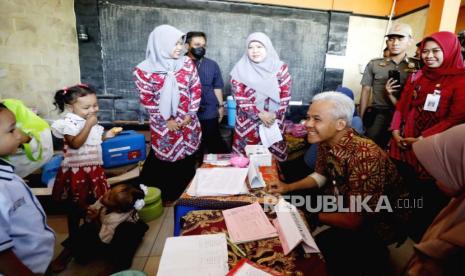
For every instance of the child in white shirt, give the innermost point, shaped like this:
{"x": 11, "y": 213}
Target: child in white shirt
{"x": 81, "y": 179}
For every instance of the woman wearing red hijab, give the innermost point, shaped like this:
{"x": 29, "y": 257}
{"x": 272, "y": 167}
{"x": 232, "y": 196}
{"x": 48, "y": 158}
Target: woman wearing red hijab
{"x": 432, "y": 101}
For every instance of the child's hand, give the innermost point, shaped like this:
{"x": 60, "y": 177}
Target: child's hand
{"x": 92, "y": 120}
{"x": 92, "y": 214}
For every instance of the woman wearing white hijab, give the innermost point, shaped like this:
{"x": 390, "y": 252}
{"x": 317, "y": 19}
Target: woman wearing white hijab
{"x": 170, "y": 91}
{"x": 261, "y": 86}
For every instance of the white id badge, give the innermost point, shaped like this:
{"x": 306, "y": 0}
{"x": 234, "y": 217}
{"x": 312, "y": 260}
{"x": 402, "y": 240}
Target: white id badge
{"x": 432, "y": 102}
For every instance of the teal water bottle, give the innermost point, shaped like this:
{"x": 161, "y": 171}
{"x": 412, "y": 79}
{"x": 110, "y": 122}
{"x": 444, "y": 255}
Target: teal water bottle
{"x": 231, "y": 103}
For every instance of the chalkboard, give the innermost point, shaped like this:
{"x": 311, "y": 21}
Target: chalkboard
{"x": 299, "y": 36}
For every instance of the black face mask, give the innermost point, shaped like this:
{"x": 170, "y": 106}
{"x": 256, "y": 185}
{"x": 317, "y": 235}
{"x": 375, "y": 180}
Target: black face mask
{"x": 198, "y": 53}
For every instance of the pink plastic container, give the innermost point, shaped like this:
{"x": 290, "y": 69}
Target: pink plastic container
{"x": 239, "y": 161}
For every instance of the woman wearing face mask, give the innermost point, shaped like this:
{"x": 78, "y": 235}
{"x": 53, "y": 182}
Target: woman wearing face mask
{"x": 431, "y": 102}
{"x": 261, "y": 86}
{"x": 170, "y": 91}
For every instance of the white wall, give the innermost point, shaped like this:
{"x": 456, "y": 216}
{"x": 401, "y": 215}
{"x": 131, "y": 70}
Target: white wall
{"x": 365, "y": 41}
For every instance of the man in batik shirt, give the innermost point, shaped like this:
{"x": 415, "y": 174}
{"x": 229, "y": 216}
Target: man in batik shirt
{"x": 349, "y": 167}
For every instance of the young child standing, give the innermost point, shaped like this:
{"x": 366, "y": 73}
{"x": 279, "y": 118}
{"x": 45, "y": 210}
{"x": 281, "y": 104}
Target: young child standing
{"x": 113, "y": 230}
{"x": 81, "y": 179}
{"x": 26, "y": 241}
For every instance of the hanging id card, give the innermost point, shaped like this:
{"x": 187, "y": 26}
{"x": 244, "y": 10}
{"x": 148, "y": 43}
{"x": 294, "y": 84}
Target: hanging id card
{"x": 432, "y": 102}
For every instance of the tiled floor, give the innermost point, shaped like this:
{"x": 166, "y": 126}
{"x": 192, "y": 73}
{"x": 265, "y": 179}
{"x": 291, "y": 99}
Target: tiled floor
{"x": 147, "y": 256}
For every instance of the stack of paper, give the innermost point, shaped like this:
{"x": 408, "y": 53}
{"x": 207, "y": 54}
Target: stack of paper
{"x": 218, "y": 182}
{"x": 292, "y": 229}
{"x": 248, "y": 223}
{"x": 202, "y": 255}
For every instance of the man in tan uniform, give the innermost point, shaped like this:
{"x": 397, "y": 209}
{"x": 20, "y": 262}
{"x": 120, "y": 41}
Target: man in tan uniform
{"x": 374, "y": 80}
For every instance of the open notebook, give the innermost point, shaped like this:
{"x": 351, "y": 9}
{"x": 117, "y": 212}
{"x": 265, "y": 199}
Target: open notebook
{"x": 225, "y": 181}
{"x": 218, "y": 182}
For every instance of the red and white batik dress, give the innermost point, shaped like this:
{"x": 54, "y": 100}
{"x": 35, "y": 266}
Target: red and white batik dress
{"x": 247, "y": 120}
{"x": 172, "y": 145}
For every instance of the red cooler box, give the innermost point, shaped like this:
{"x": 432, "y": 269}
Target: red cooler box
{"x": 125, "y": 148}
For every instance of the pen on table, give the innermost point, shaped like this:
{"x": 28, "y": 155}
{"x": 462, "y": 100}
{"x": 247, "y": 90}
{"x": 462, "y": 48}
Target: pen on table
{"x": 235, "y": 246}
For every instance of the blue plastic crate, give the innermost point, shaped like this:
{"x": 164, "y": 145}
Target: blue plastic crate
{"x": 127, "y": 147}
